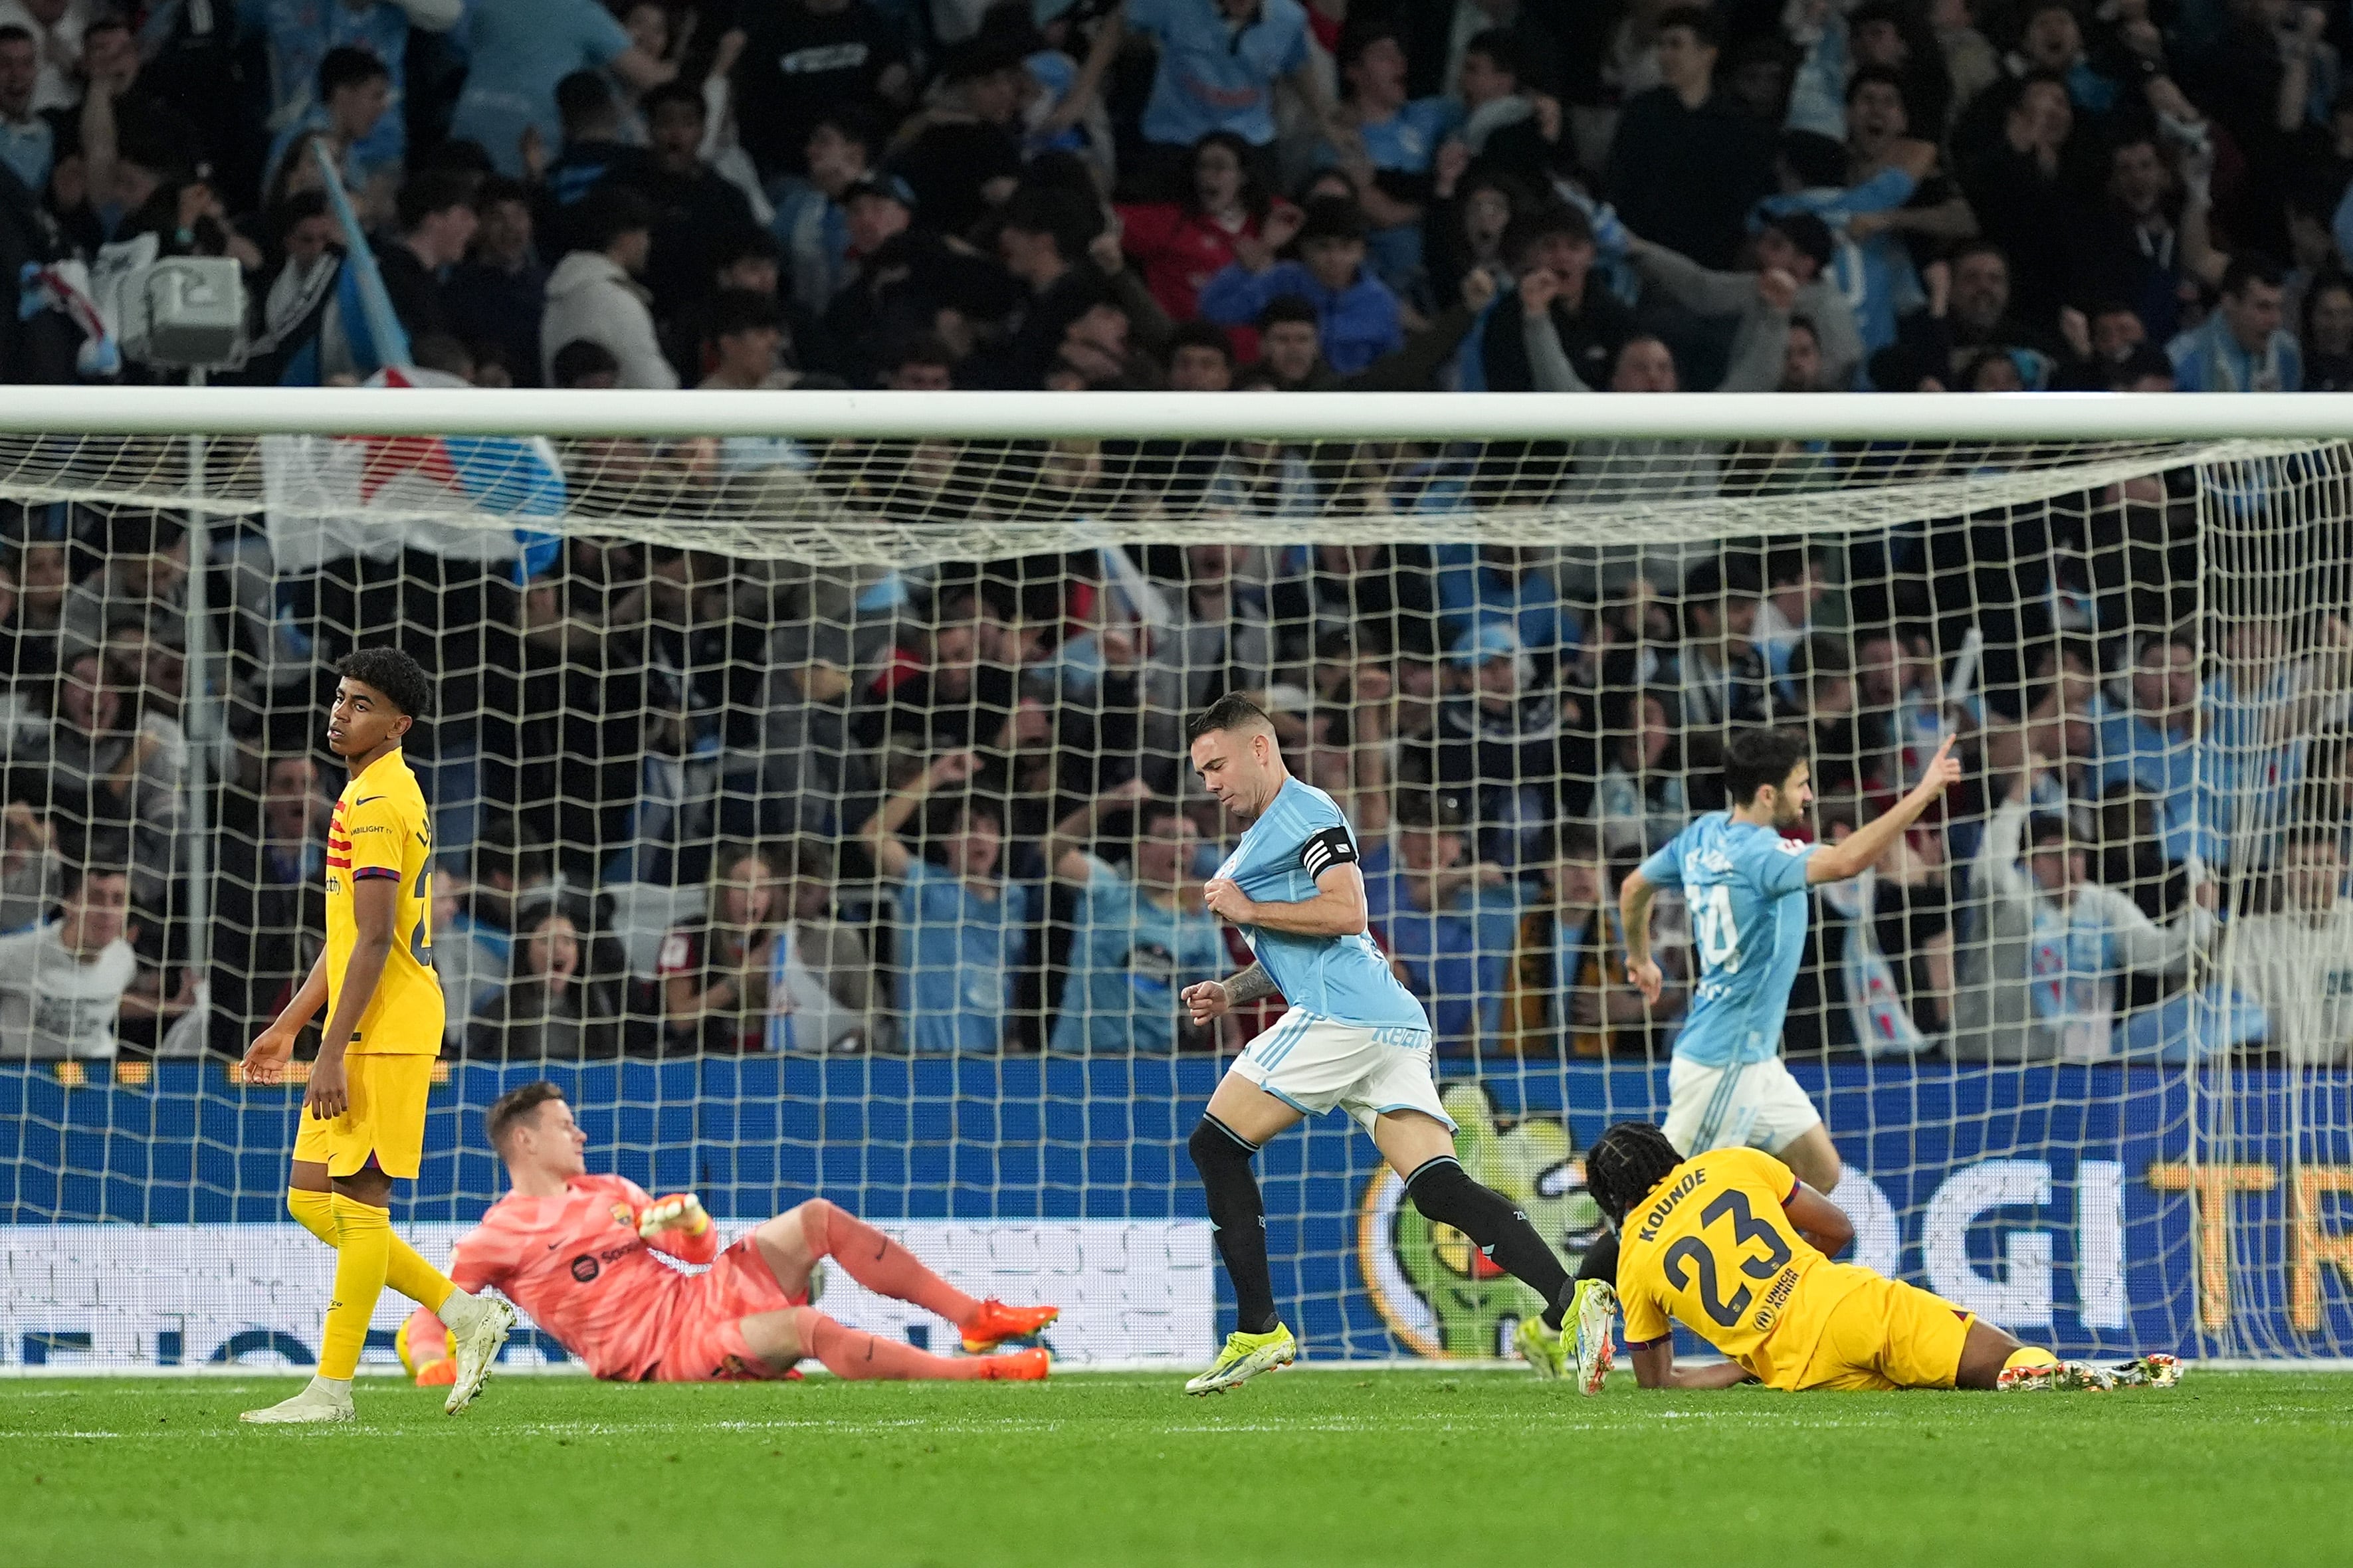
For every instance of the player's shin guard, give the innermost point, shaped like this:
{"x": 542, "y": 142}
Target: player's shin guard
{"x": 1223, "y": 1157}
{"x": 362, "y": 1247}
{"x": 1445, "y": 1193}
{"x": 879, "y": 1263}
{"x": 855, "y": 1354}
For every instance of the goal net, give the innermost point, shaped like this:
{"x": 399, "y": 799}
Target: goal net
{"x": 810, "y": 801}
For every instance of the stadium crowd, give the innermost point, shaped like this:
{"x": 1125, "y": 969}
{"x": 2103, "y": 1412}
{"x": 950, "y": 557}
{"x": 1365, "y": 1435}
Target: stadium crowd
{"x": 1905, "y": 194}
{"x": 688, "y": 802}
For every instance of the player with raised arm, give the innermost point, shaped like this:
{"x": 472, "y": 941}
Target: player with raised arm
{"x": 1745, "y": 883}
{"x": 1353, "y": 1037}
{"x": 1731, "y": 1243}
{"x": 363, "y": 1114}
{"x": 576, "y": 1252}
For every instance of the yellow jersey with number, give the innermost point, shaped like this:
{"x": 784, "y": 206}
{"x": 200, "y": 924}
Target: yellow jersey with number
{"x": 1712, "y": 1248}
{"x": 379, "y": 830}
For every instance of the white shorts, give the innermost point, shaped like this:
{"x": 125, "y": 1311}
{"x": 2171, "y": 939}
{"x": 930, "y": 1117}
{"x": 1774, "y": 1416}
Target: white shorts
{"x": 1312, "y": 1064}
{"x": 1756, "y": 1105}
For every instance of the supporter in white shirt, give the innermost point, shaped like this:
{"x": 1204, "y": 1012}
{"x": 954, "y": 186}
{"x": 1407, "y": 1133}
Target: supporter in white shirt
{"x": 2298, "y": 963}
{"x": 56, "y": 26}
{"x": 61, "y": 985}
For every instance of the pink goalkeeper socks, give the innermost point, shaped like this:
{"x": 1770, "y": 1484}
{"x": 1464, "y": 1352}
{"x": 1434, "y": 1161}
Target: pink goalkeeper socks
{"x": 882, "y": 1266}
{"x": 856, "y": 1355}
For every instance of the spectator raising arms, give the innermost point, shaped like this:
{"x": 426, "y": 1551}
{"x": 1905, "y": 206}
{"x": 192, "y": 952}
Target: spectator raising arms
{"x": 1139, "y": 937}
{"x": 960, "y": 926}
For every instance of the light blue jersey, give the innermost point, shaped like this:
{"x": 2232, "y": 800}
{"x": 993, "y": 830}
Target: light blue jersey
{"x": 1747, "y": 888}
{"x": 958, "y": 955}
{"x": 1343, "y": 978}
{"x": 1129, "y": 958}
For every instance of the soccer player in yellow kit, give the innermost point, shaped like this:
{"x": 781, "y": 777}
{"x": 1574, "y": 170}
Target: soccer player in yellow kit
{"x": 1735, "y": 1248}
{"x": 364, "y": 1117}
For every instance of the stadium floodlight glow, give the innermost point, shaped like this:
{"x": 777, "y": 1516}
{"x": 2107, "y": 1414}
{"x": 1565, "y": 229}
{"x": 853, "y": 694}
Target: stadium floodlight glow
{"x": 1046, "y": 415}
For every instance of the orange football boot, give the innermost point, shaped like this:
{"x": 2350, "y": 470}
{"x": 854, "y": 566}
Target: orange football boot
{"x": 1019, "y": 1366}
{"x": 998, "y": 1323}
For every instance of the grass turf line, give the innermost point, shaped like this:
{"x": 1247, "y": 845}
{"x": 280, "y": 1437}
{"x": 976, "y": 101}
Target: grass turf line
{"x": 1480, "y": 1467}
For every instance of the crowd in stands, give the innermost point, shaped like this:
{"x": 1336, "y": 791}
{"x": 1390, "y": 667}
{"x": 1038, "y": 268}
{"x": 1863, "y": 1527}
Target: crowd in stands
{"x": 687, "y": 803}
{"x": 1630, "y": 195}
{"x": 683, "y": 808}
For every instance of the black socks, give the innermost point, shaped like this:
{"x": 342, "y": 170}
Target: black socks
{"x": 1223, "y": 1158}
{"x": 1445, "y": 1193}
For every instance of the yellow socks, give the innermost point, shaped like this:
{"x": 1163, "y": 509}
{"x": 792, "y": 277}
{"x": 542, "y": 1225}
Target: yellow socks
{"x": 407, "y": 1272}
{"x": 404, "y": 1270}
{"x": 362, "y": 1252}
{"x": 315, "y": 1211}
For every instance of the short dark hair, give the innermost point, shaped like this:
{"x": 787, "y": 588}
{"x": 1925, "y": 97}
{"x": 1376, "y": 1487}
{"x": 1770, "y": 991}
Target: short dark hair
{"x": 1882, "y": 76}
{"x": 921, "y": 348}
{"x": 12, "y": 33}
{"x": 584, "y": 95}
{"x": 2045, "y": 825}
{"x": 1231, "y": 711}
{"x": 734, "y": 310}
{"x": 607, "y": 213}
{"x": 513, "y": 1106}
{"x": 2250, "y": 268}
{"x": 1757, "y": 757}
{"x": 497, "y": 188}
{"x": 1201, "y": 335}
{"x": 742, "y": 240}
{"x": 1625, "y": 1165}
{"x": 76, "y": 873}
{"x": 1525, "y": 230}
{"x": 1068, "y": 218}
{"x": 1289, "y": 308}
{"x": 345, "y": 67}
{"x": 391, "y": 671}
{"x": 1810, "y": 234}
{"x": 430, "y": 191}
{"x": 669, "y": 92}
{"x": 578, "y": 360}
{"x": 1501, "y": 47}
{"x": 1332, "y": 218}
{"x": 1701, "y": 21}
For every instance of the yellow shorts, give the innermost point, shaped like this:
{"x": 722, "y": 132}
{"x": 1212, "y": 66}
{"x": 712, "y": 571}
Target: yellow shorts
{"x": 1885, "y": 1335}
{"x": 385, "y": 1117}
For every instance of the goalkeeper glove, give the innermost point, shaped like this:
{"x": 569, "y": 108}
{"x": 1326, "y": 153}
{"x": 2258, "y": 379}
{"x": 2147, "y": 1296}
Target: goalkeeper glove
{"x": 678, "y": 1211}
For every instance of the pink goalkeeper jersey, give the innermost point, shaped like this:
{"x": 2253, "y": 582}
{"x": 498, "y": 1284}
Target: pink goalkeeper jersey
{"x": 578, "y": 1266}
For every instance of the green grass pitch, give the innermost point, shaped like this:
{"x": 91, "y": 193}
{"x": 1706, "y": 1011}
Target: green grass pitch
{"x": 1301, "y": 1468}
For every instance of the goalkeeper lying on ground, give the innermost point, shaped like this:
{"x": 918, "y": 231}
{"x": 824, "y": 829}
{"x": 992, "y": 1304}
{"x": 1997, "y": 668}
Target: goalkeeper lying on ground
{"x": 1734, "y": 1247}
{"x": 571, "y": 1250}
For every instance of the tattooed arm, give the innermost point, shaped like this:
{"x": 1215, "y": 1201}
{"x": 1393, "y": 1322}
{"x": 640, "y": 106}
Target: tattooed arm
{"x": 1214, "y": 998}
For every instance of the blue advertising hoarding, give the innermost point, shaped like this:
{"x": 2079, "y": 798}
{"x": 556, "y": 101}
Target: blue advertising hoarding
{"x": 2071, "y": 1204}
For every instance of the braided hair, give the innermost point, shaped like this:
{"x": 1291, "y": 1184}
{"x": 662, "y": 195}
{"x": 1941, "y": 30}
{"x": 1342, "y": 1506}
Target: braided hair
{"x": 1625, "y": 1163}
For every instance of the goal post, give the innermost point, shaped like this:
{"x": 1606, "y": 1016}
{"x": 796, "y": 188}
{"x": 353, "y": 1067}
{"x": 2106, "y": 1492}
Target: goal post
{"x": 810, "y": 802}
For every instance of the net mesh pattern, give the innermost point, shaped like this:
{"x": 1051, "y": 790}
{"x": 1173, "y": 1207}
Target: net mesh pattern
{"x": 817, "y": 814}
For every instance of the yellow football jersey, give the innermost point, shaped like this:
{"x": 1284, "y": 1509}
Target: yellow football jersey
{"x": 1712, "y": 1249}
{"x": 379, "y": 830}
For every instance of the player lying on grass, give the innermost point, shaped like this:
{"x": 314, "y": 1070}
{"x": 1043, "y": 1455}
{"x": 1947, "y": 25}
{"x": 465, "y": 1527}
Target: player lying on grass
{"x": 1737, "y": 1249}
{"x": 576, "y": 1251}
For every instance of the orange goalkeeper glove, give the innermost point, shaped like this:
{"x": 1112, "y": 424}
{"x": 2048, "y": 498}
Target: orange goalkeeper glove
{"x": 678, "y": 1211}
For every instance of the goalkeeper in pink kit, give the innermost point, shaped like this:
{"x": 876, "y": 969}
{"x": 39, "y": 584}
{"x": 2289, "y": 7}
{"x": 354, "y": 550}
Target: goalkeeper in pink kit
{"x": 576, "y": 1251}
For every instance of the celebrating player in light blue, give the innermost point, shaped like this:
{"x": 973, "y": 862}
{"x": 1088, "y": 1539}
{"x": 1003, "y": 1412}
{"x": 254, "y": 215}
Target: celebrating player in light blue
{"x": 1353, "y": 1037}
{"x": 1746, "y": 887}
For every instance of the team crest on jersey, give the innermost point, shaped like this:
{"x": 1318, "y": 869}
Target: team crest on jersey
{"x": 1437, "y": 1292}
{"x": 621, "y": 1216}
